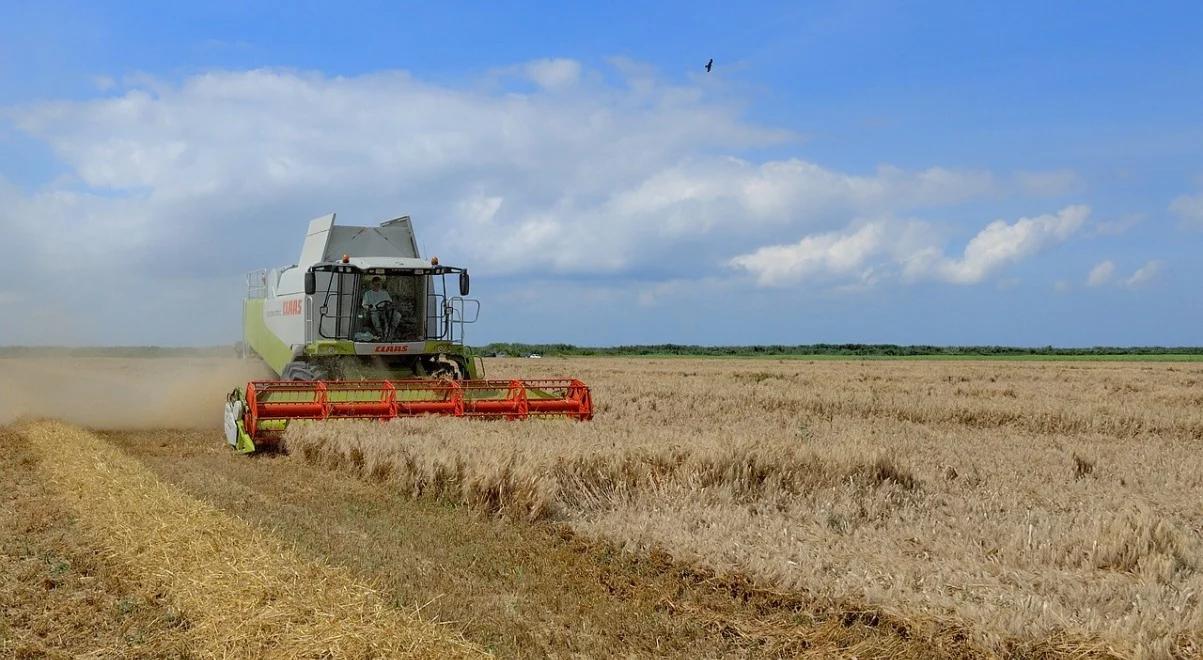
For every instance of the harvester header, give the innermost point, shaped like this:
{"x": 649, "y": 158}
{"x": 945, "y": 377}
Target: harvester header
{"x": 363, "y": 327}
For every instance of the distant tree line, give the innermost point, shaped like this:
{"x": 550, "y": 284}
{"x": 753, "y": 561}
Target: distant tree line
{"x": 767, "y": 350}
{"x": 891, "y": 350}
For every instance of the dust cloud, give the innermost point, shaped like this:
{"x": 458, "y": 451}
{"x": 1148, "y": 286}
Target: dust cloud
{"x": 122, "y": 393}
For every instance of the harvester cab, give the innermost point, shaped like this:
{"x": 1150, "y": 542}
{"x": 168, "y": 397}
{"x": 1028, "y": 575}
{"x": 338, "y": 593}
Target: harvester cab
{"x": 364, "y": 327}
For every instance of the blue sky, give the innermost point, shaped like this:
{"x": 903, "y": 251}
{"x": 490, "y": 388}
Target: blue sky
{"x": 879, "y": 172}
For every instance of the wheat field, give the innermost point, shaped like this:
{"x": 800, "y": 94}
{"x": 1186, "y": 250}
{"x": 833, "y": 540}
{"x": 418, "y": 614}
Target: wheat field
{"x": 713, "y": 508}
{"x": 1045, "y": 507}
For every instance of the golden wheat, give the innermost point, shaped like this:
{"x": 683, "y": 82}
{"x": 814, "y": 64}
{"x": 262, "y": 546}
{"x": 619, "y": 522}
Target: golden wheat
{"x": 243, "y": 593}
{"x": 1037, "y": 501}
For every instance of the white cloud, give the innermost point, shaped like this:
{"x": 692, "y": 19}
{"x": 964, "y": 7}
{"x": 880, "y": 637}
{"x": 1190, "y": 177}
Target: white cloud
{"x": 910, "y": 249}
{"x": 833, "y": 253}
{"x": 263, "y": 150}
{"x": 704, "y": 193}
{"x": 1189, "y": 209}
{"x": 103, "y": 83}
{"x": 1145, "y": 274}
{"x": 551, "y": 73}
{"x": 1117, "y": 225}
{"x": 1101, "y": 273}
{"x": 216, "y": 174}
{"x": 1000, "y": 244}
{"x": 651, "y": 294}
{"x": 592, "y": 178}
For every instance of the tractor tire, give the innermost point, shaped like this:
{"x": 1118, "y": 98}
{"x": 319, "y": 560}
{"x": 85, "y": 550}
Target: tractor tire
{"x": 303, "y": 371}
{"x": 445, "y": 368}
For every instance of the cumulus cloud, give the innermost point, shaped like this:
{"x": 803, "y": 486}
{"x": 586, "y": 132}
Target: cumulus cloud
{"x": 551, "y": 73}
{"x": 183, "y": 169}
{"x": 907, "y": 248}
{"x": 1000, "y": 244}
{"x": 1116, "y": 226}
{"x": 1104, "y": 273}
{"x": 1101, "y": 273}
{"x": 833, "y": 253}
{"x": 702, "y": 194}
{"x": 1145, "y": 274}
{"x": 104, "y": 83}
{"x": 189, "y": 183}
{"x": 1189, "y": 209}
{"x": 590, "y": 180}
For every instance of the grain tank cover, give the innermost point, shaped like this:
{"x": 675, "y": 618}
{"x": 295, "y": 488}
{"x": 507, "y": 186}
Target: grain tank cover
{"x": 325, "y": 242}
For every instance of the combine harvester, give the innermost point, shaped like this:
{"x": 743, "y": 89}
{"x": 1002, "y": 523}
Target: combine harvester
{"x": 364, "y": 328}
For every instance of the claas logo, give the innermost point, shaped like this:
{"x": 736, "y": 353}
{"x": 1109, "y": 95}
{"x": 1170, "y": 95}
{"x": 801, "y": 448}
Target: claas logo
{"x": 401, "y": 348}
{"x": 292, "y": 307}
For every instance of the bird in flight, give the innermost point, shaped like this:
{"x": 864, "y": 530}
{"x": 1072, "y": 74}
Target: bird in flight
{"x": 709, "y": 64}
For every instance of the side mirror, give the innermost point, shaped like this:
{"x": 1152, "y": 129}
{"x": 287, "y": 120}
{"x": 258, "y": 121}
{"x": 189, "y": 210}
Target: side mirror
{"x": 463, "y": 283}
{"x": 310, "y": 283}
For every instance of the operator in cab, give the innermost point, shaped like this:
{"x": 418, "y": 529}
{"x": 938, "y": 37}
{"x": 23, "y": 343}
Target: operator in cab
{"x": 374, "y": 296}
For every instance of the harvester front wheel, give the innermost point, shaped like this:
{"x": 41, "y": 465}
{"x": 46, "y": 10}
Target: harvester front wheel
{"x": 303, "y": 371}
{"x": 445, "y": 368}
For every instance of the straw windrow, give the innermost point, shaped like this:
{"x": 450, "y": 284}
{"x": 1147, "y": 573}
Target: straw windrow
{"x": 242, "y": 592}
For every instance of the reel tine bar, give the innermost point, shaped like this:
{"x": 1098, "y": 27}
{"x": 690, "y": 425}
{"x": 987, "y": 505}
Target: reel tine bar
{"x": 270, "y": 405}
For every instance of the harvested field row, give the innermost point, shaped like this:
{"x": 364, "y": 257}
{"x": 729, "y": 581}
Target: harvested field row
{"x": 1058, "y": 522}
{"x": 529, "y": 590}
{"x": 242, "y": 592}
{"x": 58, "y": 597}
